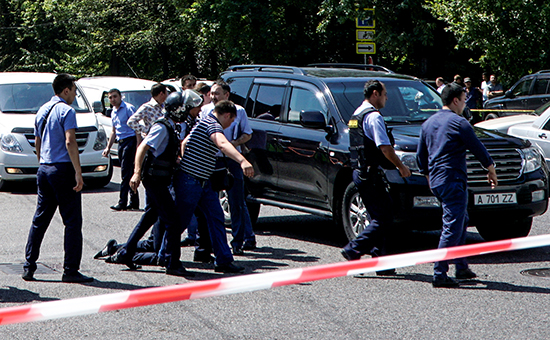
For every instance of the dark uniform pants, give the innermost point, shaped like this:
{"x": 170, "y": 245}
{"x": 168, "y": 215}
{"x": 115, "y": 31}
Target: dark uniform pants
{"x": 55, "y": 189}
{"x": 377, "y": 201}
{"x": 126, "y": 155}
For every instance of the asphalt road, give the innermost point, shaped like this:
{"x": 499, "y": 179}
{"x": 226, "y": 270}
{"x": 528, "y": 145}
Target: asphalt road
{"x": 502, "y": 304}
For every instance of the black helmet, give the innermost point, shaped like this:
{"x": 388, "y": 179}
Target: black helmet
{"x": 178, "y": 104}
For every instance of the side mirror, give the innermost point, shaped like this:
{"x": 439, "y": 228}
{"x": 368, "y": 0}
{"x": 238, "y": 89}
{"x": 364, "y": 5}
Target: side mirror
{"x": 509, "y": 94}
{"x": 97, "y": 107}
{"x": 313, "y": 119}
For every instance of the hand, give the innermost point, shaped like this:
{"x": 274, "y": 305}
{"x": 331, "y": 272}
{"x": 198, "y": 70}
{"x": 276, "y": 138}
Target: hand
{"x": 492, "y": 178}
{"x": 248, "y": 170}
{"x": 134, "y": 181}
{"x": 404, "y": 171}
{"x": 79, "y": 182}
{"x": 105, "y": 152}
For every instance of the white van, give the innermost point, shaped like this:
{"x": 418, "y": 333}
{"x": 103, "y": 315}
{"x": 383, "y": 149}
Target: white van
{"x": 21, "y": 95}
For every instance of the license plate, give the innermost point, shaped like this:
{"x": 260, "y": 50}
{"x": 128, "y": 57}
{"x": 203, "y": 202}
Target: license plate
{"x": 497, "y": 198}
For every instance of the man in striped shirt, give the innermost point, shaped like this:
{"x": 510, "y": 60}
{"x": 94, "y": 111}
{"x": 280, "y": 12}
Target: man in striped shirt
{"x": 192, "y": 180}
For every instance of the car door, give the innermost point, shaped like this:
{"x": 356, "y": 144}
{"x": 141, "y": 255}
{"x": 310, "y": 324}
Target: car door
{"x": 264, "y": 108}
{"x": 540, "y": 94}
{"x": 303, "y": 162}
{"x": 520, "y": 95}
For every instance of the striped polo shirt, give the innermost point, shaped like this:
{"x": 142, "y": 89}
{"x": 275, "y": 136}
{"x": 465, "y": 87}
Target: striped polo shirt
{"x": 199, "y": 159}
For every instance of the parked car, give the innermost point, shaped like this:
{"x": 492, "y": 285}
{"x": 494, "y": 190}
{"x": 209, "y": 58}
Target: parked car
{"x": 21, "y": 95}
{"x": 529, "y": 93}
{"x": 300, "y": 151}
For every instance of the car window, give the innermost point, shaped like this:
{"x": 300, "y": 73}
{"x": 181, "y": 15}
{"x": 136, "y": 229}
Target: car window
{"x": 522, "y": 89}
{"x": 541, "y": 84}
{"x": 305, "y": 100}
{"x": 239, "y": 90}
{"x": 136, "y": 98}
{"x": 268, "y": 103}
{"x": 28, "y": 98}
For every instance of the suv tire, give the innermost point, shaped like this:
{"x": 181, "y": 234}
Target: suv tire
{"x": 504, "y": 229}
{"x": 353, "y": 216}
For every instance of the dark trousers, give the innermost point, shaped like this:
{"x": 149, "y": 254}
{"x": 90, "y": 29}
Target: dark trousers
{"x": 161, "y": 198}
{"x": 126, "y": 155}
{"x": 454, "y": 202}
{"x": 149, "y": 218}
{"x": 377, "y": 201}
{"x": 55, "y": 189}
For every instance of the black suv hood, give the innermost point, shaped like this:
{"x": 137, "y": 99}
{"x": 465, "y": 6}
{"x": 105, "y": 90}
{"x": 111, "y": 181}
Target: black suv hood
{"x": 406, "y": 138}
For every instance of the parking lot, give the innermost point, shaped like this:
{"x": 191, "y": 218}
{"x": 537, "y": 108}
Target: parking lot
{"x": 502, "y": 304}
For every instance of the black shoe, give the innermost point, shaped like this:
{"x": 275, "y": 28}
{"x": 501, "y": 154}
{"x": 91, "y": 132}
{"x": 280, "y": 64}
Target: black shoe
{"x": 228, "y": 268}
{"x": 187, "y": 242}
{"x": 76, "y": 277}
{"x": 28, "y": 275}
{"x": 203, "y": 257}
{"x": 238, "y": 251}
{"x": 109, "y": 249}
{"x": 347, "y": 256}
{"x": 445, "y": 282}
{"x": 249, "y": 245}
{"x": 132, "y": 206}
{"x": 465, "y": 274}
{"x": 179, "y": 272}
{"x": 387, "y": 272}
{"x": 119, "y": 207}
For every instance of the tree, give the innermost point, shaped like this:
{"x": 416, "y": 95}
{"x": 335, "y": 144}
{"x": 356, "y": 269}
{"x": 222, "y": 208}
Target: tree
{"x": 513, "y": 34}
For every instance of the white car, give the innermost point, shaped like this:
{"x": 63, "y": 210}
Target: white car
{"x": 21, "y": 95}
{"x": 535, "y": 128}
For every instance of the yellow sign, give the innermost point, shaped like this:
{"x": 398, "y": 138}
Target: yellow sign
{"x": 366, "y": 48}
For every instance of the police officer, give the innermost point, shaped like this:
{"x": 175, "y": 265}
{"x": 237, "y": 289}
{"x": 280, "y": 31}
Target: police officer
{"x": 59, "y": 180}
{"x": 161, "y": 146}
{"x": 371, "y": 147}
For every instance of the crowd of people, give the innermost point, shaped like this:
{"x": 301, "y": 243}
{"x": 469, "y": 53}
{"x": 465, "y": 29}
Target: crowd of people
{"x": 175, "y": 142}
{"x": 172, "y": 145}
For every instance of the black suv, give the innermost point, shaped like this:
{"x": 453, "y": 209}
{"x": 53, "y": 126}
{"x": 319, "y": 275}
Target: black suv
{"x": 299, "y": 150}
{"x": 529, "y": 93}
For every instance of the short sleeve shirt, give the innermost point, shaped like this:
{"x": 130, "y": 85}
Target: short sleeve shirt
{"x": 199, "y": 158}
{"x": 374, "y": 126}
{"x": 61, "y": 118}
{"x": 158, "y": 137}
{"x": 239, "y": 126}
{"x": 120, "y": 117}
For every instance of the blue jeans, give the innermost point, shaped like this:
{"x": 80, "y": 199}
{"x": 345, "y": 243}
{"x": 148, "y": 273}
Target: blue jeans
{"x": 454, "y": 202}
{"x": 192, "y": 193}
{"x": 55, "y": 189}
{"x": 241, "y": 225}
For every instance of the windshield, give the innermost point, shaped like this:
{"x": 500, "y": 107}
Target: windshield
{"x": 28, "y": 98}
{"x": 136, "y": 98}
{"x": 408, "y": 101}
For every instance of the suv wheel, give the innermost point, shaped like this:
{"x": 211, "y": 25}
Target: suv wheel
{"x": 354, "y": 216}
{"x": 504, "y": 229}
{"x": 491, "y": 116}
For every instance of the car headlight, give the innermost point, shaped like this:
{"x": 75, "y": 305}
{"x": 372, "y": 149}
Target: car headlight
{"x": 408, "y": 159}
{"x": 532, "y": 159}
{"x": 9, "y": 143}
{"x": 101, "y": 139}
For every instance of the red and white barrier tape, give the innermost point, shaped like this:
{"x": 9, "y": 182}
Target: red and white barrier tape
{"x": 251, "y": 282}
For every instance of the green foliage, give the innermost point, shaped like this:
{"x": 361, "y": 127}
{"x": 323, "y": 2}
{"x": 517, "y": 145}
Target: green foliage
{"x": 512, "y": 34}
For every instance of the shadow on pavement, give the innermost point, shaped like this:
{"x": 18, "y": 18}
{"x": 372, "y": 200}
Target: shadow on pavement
{"x": 16, "y": 295}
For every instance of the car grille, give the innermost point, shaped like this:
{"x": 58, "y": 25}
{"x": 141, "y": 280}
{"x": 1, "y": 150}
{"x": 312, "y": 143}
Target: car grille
{"x": 82, "y": 135}
{"x": 507, "y": 163}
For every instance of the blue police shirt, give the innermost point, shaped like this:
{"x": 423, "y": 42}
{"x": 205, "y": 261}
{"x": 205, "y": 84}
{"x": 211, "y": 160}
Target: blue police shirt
{"x": 442, "y": 146}
{"x": 239, "y": 126}
{"x": 120, "y": 118}
{"x": 158, "y": 138}
{"x": 62, "y": 118}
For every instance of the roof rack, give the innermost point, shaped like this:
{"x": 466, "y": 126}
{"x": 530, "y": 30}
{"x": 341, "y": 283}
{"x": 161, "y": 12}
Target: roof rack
{"x": 367, "y": 67}
{"x": 544, "y": 71}
{"x": 266, "y": 68}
